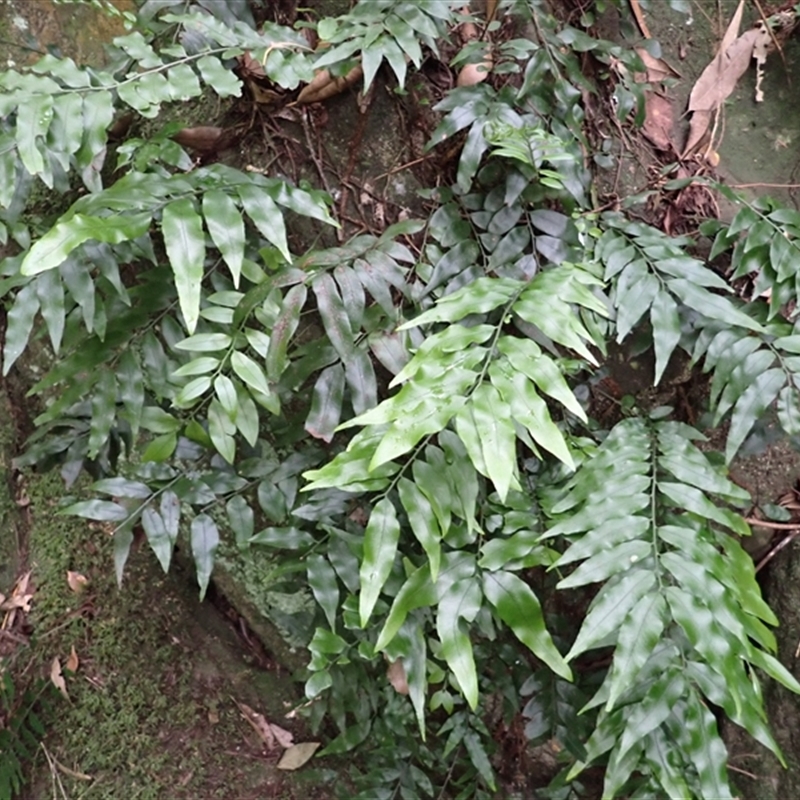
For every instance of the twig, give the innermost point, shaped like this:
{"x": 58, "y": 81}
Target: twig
{"x": 638, "y": 15}
{"x": 404, "y": 166}
{"x": 778, "y": 526}
{"x": 775, "y": 550}
{"x": 764, "y": 185}
{"x": 743, "y": 772}
{"x": 54, "y": 776}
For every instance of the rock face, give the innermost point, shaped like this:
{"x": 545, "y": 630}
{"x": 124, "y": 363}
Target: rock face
{"x": 783, "y": 708}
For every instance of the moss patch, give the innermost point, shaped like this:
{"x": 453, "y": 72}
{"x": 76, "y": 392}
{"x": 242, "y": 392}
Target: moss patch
{"x": 151, "y": 712}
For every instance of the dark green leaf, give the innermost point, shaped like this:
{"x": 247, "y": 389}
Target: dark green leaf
{"x": 751, "y": 406}
{"x": 334, "y": 316}
{"x": 636, "y": 289}
{"x": 241, "y": 519}
{"x": 352, "y": 295}
{"x": 53, "y": 248}
{"x": 283, "y": 538}
{"x": 326, "y": 403}
{"x": 666, "y": 330}
{"x": 221, "y": 430}
{"x": 380, "y": 545}
{"x": 158, "y": 537}
{"x": 789, "y": 410}
{"x": 184, "y": 240}
{"x": 19, "y": 324}
{"x": 607, "y": 563}
{"x": 491, "y": 415}
{"x": 517, "y": 605}
{"x": 461, "y": 601}
{"x": 121, "y": 487}
{"x": 711, "y": 305}
{"x": 50, "y": 291}
{"x": 638, "y": 636}
{"x": 417, "y": 592}
{"x": 610, "y": 608}
{"x": 695, "y": 501}
{"x": 709, "y": 754}
{"x": 224, "y": 223}
{"x": 423, "y": 523}
{"x": 205, "y": 540}
{"x": 266, "y": 216}
{"x": 101, "y": 510}
{"x": 284, "y": 329}
{"x": 104, "y": 402}
{"x": 324, "y": 585}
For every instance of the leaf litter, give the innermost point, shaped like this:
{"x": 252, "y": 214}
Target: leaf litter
{"x": 721, "y": 76}
{"x": 272, "y": 736}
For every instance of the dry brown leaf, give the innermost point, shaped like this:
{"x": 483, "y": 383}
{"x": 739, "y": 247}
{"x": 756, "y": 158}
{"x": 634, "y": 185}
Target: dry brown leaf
{"x": 470, "y": 74}
{"x": 22, "y": 601}
{"x": 658, "y": 112}
{"x": 284, "y": 738}
{"x": 73, "y": 662}
{"x": 719, "y": 78}
{"x": 251, "y": 66}
{"x": 269, "y": 732}
{"x": 396, "y": 673}
{"x": 297, "y": 755}
{"x": 716, "y": 84}
{"x": 76, "y": 581}
{"x": 324, "y": 85}
{"x": 20, "y": 598}
{"x": 467, "y": 31}
{"x": 657, "y": 69}
{"x": 57, "y": 678}
{"x": 203, "y": 138}
{"x": 259, "y": 724}
{"x": 262, "y": 95}
{"x": 658, "y": 121}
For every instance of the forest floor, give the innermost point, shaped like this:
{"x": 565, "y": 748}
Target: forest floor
{"x": 155, "y": 705}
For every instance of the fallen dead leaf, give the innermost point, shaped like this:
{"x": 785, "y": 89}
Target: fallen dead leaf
{"x": 396, "y": 673}
{"x": 57, "y": 678}
{"x": 284, "y": 738}
{"x": 203, "y": 138}
{"x": 259, "y": 724}
{"x": 471, "y": 74}
{"x": 73, "y": 662}
{"x": 22, "y": 601}
{"x": 19, "y": 600}
{"x": 467, "y": 31}
{"x": 658, "y": 117}
{"x": 269, "y": 733}
{"x": 658, "y": 121}
{"x": 720, "y": 77}
{"x": 77, "y": 582}
{"x": 297, "y": 755}
{"x": 657, "y": 69}
{"x": 324, "y": 85}
{"x": 251, "y": 67}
